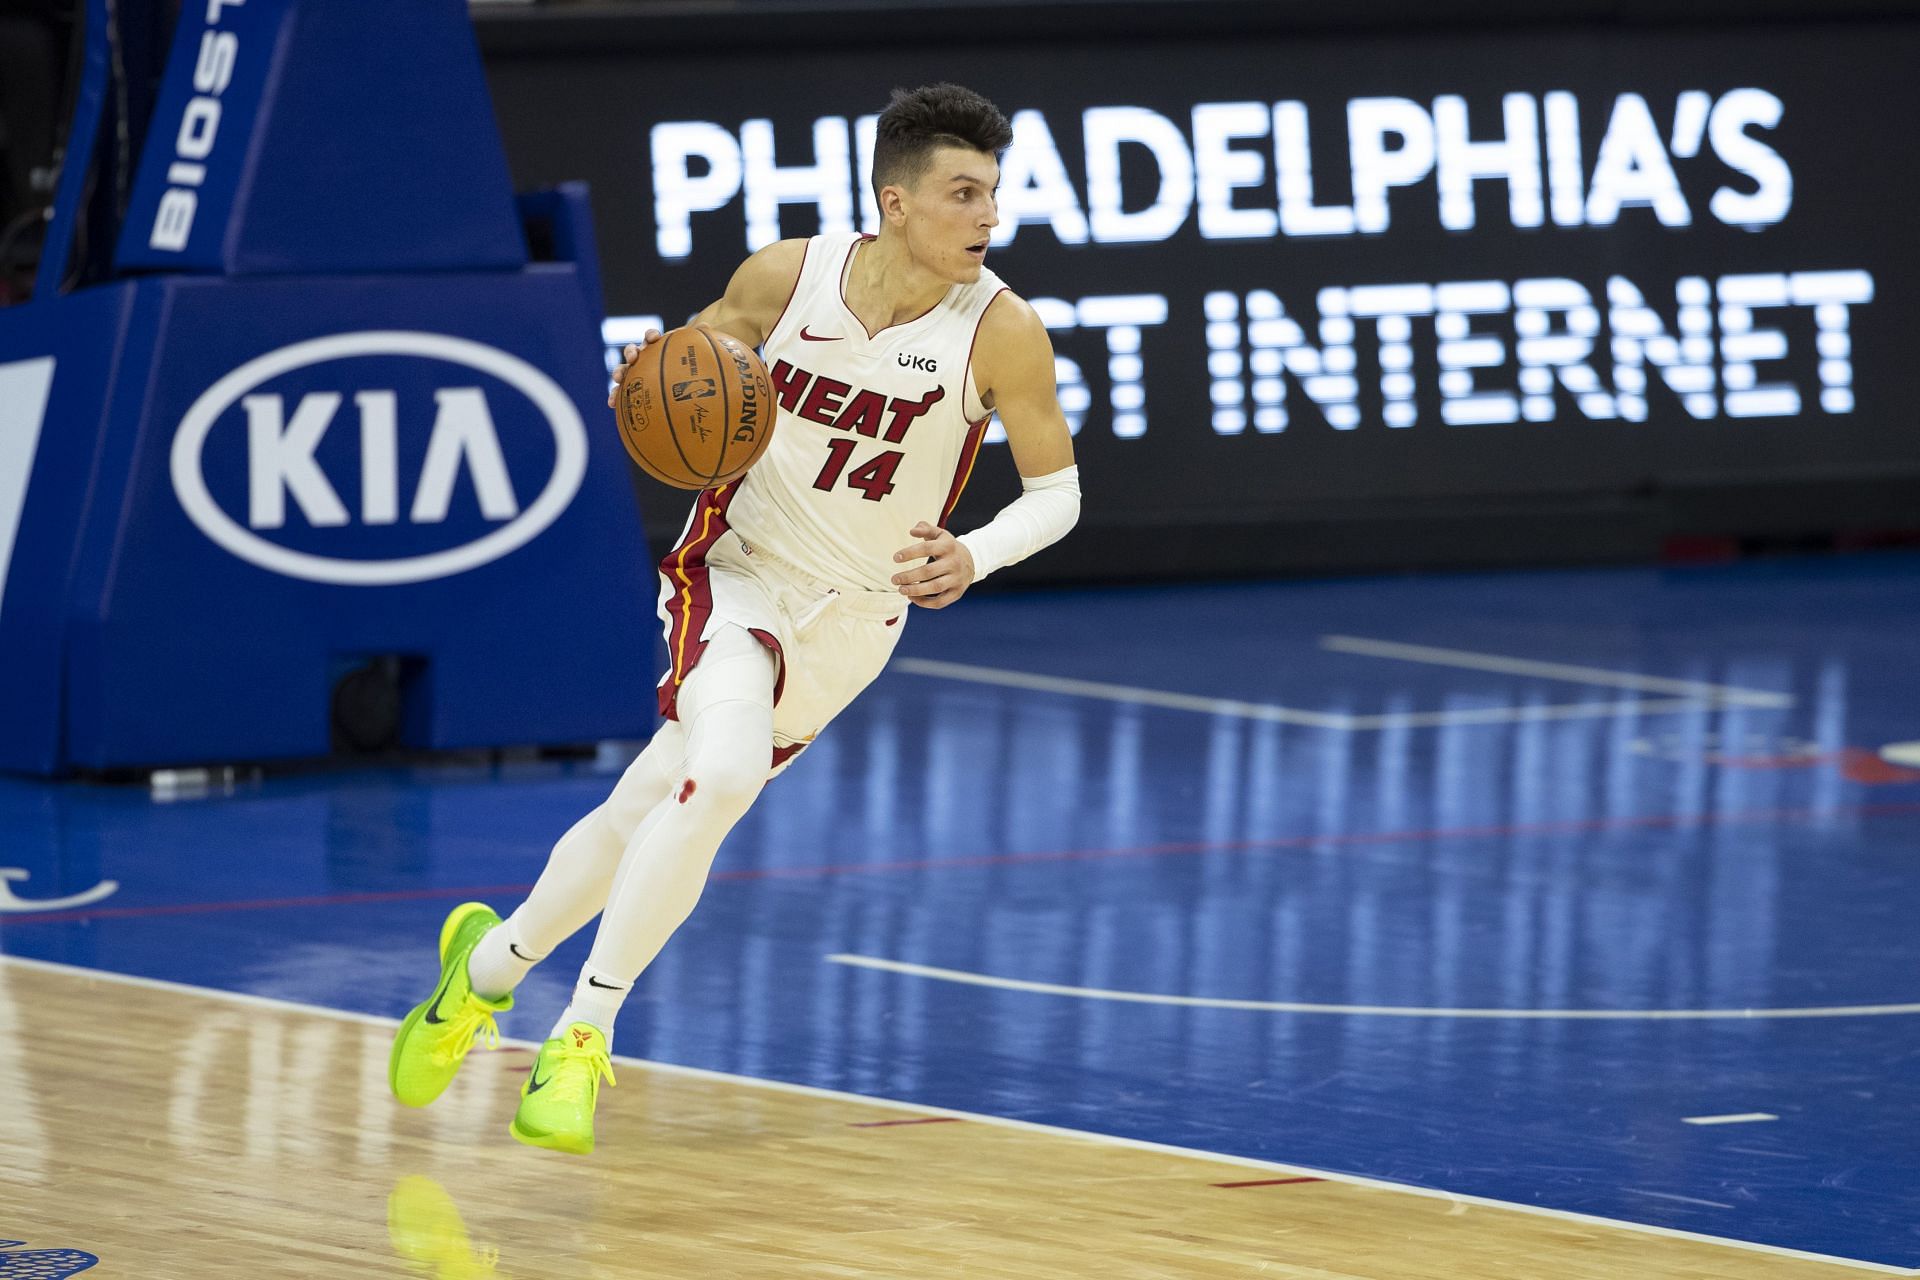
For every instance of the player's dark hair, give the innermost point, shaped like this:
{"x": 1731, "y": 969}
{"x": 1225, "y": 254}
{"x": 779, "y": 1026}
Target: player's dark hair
{"x": 920, "y": 121}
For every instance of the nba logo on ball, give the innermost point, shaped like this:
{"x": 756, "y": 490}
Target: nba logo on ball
{"x": 379, "y": 457}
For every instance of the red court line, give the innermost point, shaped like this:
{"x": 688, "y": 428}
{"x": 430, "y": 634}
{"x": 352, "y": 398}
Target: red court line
{"x": 1586, "y": 827}
{"x": 888, "y": 1124}
{"x": 1268, "y": 1182}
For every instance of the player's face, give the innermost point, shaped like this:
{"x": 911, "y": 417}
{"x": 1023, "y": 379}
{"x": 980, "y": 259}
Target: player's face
{"x": 953, "y": 213}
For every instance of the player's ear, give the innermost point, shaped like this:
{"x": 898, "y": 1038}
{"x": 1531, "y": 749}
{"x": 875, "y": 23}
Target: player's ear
{"x": 893, "y": 204}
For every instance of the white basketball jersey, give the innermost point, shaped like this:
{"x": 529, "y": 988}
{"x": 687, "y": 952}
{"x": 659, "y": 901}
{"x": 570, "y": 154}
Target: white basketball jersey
{"x": 874, "y": 433}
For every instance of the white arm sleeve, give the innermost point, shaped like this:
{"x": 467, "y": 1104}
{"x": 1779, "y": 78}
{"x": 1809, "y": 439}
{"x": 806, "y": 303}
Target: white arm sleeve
{"x": 1048, "y": 507}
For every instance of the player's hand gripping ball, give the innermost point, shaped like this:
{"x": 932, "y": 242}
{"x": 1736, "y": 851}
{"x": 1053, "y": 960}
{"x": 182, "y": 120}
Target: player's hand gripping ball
{"x": 695, "y": 408}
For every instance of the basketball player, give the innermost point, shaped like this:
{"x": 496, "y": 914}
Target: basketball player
{"x": 789, "y": 588}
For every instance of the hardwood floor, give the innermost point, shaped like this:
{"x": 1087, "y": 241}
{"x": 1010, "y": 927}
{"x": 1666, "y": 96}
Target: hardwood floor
{"x": 171, "y": 1132}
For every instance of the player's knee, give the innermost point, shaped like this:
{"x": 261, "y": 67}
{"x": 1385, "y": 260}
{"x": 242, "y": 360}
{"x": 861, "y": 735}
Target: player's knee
{"x": 722, "y": 786}
{"x": 644, "y": 782}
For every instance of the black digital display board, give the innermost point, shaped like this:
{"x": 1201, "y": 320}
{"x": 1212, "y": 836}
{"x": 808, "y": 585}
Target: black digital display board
{"x": 1311, "y": 289}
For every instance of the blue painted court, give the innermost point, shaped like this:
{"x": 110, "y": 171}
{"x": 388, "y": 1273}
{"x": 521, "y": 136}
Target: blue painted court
{"x": 1543, "y": 887}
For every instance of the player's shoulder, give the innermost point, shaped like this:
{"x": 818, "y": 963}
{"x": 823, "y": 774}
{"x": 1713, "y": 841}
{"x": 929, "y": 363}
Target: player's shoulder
{"x": 778, "y": 263}
{"x": 1010, "y": 318}
{"x": 1011, "y": 347}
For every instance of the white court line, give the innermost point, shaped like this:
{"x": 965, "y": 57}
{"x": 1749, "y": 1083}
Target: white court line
{"x": 1553, "y": 671}
{"x": 1666, "y": 1195}
{"x": 1026, "y": 1126}
{"x": 1904, "y": 754}
{"x": 1119, "y": 693}
{"x": 1507, "y": 715}
{"x": 1370, "y": 1010}
{"x": 1269, "y": 711}
{"x": 1744, "y": 1117}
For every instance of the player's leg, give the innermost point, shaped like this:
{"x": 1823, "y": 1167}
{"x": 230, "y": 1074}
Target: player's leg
{"x": 574, "y": 884}
{"x": 482, "y": 961}
{"x": 726, "y": 705}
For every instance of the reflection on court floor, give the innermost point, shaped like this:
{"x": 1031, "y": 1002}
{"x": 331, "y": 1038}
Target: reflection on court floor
{"x": 1589, "y": 892}
{"x": 204, "y": 1133}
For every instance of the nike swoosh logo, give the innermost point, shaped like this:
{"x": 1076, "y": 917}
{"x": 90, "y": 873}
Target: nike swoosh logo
{"x": 433, "y": 1013}
{"x": 523, "y": 955}
{"x": 604, "y": 986}
{"x": 535, "y": 1086}
{"x": 816, "y": 337}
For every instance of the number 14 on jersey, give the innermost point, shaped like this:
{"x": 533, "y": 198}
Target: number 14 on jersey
{"x": 874, "y": 479}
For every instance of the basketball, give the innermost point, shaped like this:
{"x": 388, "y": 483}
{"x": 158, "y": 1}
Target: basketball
{"x": 696, "y": 408}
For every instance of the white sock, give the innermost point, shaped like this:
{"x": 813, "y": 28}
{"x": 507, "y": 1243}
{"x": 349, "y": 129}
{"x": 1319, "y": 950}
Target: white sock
{"x": 597, "y": 998}
{"x": 500, "y": 960}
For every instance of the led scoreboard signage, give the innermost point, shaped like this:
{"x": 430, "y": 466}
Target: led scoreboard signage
{"x": 1211, "y": 171}
{"x": 1344, "y": 276}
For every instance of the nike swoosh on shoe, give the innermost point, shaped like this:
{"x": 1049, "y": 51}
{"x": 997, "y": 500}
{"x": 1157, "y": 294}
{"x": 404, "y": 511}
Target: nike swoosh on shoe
{"x": 433, "y": 1012}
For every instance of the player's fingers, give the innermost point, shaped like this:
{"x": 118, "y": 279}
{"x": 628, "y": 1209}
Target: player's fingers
{"x": 922, "y": 573}
{"x": 918, "y": 551}
{"x": 650, "y": 337}
{"x": 941, "y": 582}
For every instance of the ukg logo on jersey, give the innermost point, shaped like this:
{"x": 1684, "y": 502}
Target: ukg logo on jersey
{"x": 379, "y": 457}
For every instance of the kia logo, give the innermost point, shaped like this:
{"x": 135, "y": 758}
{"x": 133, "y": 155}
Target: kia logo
{"x": 282, "y": 438}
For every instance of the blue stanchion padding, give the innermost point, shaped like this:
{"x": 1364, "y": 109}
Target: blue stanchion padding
{"x": 565, "y": 215}
{"x": 319, "y": 136}
{"x": 328, "y": 470}
{"x": 57, "y": 363}
{"x": 341, "y": 420}
{"x": 83, "y": 134}
{"x": 274, "y": 480}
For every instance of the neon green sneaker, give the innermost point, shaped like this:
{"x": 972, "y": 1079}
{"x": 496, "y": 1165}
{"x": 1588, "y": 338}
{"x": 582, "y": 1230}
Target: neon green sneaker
{"x": 434, "y": 1039}
{"x": 557, "y": 1101}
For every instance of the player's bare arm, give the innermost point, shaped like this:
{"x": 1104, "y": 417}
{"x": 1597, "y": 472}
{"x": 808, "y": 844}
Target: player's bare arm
{"x": 1013, "y": 368}
{"x": 749, "y": 308}
{"x": 758, "y": 293}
